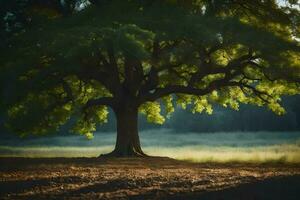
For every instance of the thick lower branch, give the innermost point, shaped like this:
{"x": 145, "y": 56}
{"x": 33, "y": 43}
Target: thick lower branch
{"x": 173, "y": 89}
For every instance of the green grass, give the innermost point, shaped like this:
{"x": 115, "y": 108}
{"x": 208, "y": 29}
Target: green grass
{"x": 285, "y": 153}
{"x": 289, "y": 153}
{"x": 251, "y": 147}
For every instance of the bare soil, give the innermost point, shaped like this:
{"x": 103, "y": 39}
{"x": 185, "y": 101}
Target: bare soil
{"x": 144, "y": 178}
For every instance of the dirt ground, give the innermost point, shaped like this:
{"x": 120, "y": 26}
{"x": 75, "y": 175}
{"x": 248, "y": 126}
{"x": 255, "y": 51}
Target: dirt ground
{"x": 144, "y": 178}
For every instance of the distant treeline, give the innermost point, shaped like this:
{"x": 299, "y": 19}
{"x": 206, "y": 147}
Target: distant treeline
{"x": 248, "y": 118}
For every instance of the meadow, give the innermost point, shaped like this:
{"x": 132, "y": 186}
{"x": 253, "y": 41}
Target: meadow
{"x": 254, "y": 147}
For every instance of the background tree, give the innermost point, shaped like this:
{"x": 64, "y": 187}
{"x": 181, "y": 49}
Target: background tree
{"x": 135, "y": 56}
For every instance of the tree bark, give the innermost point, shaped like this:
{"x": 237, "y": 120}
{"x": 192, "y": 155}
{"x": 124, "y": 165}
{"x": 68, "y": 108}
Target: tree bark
{"x": 128, "y": 141}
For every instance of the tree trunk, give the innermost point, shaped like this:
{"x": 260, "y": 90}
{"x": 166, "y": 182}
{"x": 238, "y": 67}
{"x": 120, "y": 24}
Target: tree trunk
{"x": 128, "y": 141}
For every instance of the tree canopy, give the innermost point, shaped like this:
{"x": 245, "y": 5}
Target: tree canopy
{"x": 147, "y": 54}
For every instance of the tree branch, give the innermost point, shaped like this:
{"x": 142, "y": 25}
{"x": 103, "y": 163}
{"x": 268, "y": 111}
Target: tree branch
{"x": 180, "y": 89}
{"x": 106, "y": 101}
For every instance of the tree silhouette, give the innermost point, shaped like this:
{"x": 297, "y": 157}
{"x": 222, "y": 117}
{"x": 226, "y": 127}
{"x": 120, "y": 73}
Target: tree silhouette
{"x": 135, "y": 56}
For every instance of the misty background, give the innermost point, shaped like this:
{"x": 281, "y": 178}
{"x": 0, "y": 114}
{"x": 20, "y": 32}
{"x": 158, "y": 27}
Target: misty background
{"x": 248, "y": 119}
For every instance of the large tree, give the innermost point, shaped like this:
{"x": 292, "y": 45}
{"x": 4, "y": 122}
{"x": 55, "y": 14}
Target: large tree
{"x": 138, "y": 55}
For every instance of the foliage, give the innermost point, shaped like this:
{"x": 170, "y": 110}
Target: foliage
{"x": 148, "y": 54}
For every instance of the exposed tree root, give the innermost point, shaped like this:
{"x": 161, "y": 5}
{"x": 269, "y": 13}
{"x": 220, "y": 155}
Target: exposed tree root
{"x": 118, "y": 153}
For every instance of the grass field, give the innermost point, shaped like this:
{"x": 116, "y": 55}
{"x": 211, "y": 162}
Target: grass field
{"x": 257, "y": 147}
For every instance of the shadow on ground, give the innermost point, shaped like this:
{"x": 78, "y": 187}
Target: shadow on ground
{"x": 18, "y": 186}
{"x": 278, "y": 188}
{"x": 152, "y": 178}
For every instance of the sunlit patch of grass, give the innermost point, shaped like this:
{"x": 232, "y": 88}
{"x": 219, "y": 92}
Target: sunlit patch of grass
{"x": 285, "y": 153}
{"x": 53, "y": 151}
